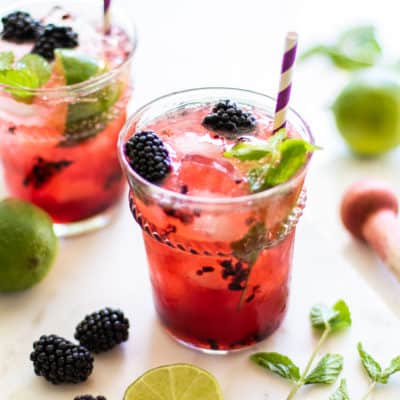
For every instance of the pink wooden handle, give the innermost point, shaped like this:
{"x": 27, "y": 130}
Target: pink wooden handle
{"x": 382, "y": 232}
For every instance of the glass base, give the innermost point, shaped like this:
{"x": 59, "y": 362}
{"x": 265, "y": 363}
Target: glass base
{"x": 209, "y": 351}
{"x": 88, "y": 225}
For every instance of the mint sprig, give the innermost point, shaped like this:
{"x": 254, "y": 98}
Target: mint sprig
{"x": 354, "y": 49}
{"x": 326, "y": 320}
{"x": 278, "y": 159}
{"x": 341, "y": 392}
{"x": 30, "y": 72}
{"x": 374, "y": 370}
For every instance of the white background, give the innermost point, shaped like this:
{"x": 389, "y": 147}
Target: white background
{"x": 187, "y": 44}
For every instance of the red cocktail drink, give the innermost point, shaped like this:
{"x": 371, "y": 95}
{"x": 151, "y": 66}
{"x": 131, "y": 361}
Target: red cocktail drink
{"x": 58, "y": 139}
{"x": 219, "y": 254}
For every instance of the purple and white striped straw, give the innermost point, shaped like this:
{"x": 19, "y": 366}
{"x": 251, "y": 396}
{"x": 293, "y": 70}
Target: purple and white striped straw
{"x": 285, "y": 83}
{"x": 106, "y": 17}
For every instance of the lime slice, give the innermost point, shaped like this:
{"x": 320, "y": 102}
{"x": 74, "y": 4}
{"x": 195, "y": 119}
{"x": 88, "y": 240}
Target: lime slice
{"x": 77, "y": 67}
{"x": 175, "y": 382}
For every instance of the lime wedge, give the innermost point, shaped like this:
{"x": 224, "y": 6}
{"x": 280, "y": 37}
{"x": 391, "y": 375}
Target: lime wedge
{"x": 175, "y": 382}
{"x": 77, "y": 67}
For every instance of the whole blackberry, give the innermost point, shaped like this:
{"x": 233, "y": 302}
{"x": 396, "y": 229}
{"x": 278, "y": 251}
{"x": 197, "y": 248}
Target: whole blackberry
{"x": 54, "y": 37}
{"x": 148, "y": 156}
{"x": 103, "y": 330}
{"x": 60, "y": 361}
{"x": 19, "y": 26}
{"x": 227, "y": 116}
{"x": 89, "y": 397}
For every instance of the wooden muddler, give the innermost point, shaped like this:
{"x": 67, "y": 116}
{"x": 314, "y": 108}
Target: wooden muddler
{"x": 369, "y": 211}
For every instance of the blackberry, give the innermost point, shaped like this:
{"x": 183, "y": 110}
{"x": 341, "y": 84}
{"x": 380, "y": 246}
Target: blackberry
{"x": 19, "y": 26}
{"x": 148, "y": 156}
{"x": 227, "y": 116}
{"x": 53, "y": 37}
{"x": 102, "y": 330}
{"x": 89, "y": 397}
{"x": 60, "y": 361}
{"x": 43, "y": 170}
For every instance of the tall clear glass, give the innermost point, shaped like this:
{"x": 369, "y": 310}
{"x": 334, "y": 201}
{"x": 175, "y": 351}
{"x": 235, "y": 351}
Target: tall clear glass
{"x": 58, "y": 147}
{"x": 219, "y": 267}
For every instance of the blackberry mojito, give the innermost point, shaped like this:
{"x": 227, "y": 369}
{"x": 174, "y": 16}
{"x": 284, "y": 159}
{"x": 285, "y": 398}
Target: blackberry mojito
{"x": 64, "y": 88}
{"x": 218, "y": 195}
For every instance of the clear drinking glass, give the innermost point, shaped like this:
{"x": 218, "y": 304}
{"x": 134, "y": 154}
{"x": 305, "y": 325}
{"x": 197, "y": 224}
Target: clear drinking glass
{"x": 58, "y": 148}
{"x": 219, "y": 267}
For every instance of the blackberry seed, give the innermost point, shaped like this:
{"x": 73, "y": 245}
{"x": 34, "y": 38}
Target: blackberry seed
{"x": 54, "y": 37}
{"x": 103, "y": 330}
{"x": 148, "y": 156}
{"x": 20, "y": 26}
{"x": 227, "y": 116}
{"x": 60, "y": 361}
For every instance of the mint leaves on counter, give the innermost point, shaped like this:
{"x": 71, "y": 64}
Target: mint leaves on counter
{"x": 326, "y": 320}
{"x": 375, "y": 373}
{"x": 341, "y": 392}
{"x": 30, "y": 72}
{"x": 279, "y": 159}
{"x": 354, "y": 49}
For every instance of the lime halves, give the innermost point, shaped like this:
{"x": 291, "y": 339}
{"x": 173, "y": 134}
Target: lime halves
{"x": 175, "y": 382}
{"x": 28, "y": 245}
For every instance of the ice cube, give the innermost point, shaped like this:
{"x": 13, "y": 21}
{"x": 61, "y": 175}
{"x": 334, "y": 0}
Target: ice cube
{"x": 192, "y": 143}
{"x": 206, "y": 177}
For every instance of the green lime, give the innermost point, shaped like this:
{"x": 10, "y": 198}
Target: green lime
{"x": 77, "y": 67}
{"x": 28, "y": 245}
{"x": 175, "y": 382}
{"x": 367, "y": 112}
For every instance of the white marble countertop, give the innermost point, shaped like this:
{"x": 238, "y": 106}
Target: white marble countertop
{"x": 224, "y": 43}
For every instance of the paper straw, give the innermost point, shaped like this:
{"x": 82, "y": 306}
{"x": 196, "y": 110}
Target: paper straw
{"x": 285, "y": 83}
{"x": 106, "y": 16}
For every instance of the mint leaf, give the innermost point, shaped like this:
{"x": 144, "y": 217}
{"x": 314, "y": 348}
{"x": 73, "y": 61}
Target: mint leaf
{"x": 354, "y": 49}
{"x": 372, "y": 367}
{"x": 391, "y": 369}
{"x": 6, "y": 60}
{"x": 253, "y": 151}
{"x": 248, "y": 248}
{"x": 335, "y": 318}
{"x": 327, "y": 370}
{"x": 293, "y": 155}
{"x": 278, "y": 364}
{"x": 37, "y": 65}
{"x": 341, "y": 392}
{"x": 18, "y": 80}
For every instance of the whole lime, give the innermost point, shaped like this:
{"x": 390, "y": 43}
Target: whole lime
{"x": 28, "y": 245}
{"x": 367, "y": 112}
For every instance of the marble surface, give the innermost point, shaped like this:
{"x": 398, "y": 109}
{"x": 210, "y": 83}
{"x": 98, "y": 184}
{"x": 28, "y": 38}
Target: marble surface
{"x": 232, "y": 43}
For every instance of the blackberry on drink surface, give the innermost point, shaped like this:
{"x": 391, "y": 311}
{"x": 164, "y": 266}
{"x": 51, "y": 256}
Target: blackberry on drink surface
{"x": 148, "y": 156}
{"x": 103, "y": 330}
{"x": 60, "y": 361}
{"x": 20, "y": 26}
{"x": 89, "y": 397}
{"x": 227, "y": 116}
{"x": 54, "y": 37}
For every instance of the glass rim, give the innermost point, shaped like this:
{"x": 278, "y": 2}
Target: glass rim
{"x": 248, "y": 198}
{"x": 90, "y": 84}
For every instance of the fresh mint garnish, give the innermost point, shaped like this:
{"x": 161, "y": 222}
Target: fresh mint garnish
{"x": 354, "y": 49}
{"x": 279, "y": 159}
{"x": 329, "y": 367}
{"x": 327, "y": 370}
{"x": 341, "y": 392}
{"x": 30, "y": 72}
{"x": 37, "y": 65}
{"x": 278, "y": 364}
